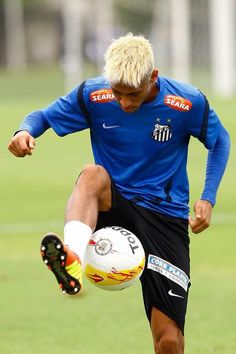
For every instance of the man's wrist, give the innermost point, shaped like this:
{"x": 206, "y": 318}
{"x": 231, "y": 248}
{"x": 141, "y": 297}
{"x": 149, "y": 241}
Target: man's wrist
{"x": 21, "y": 130}
{"x": 208, "y": 200}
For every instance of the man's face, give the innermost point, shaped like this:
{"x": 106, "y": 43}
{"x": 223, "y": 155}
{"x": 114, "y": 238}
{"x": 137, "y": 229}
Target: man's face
{"x": 130, "y": 98}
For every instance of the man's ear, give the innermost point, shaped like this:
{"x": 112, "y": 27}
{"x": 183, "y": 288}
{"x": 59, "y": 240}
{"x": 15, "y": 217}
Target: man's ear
{"x": 154, "y": 75}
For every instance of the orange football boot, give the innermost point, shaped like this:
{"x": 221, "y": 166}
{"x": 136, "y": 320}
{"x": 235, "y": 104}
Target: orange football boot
{"x": 64, "y": 263}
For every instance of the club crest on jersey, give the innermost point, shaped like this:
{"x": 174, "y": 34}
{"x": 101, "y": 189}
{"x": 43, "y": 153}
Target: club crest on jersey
{"x": 162, "y": 132}
{"x": 102, "y": 96}
{"x": 178, "y": 103}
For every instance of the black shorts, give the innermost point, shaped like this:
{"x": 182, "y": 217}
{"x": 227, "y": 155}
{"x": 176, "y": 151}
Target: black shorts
{"x": 165, "y": 279}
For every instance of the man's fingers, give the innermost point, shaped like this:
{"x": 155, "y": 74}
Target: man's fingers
{"x": 199, "y": 228}
{"x": 198, "y": 211}
{"x": 12, "y": 147}
{"x": 17, "y": 152}
{"x": 31, "y": 143}
{"x": 198, "y": 224}
{"x": 23, "y": 147}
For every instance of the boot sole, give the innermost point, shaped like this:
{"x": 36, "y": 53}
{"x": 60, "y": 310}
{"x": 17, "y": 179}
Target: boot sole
{"x": 54, "y": 256}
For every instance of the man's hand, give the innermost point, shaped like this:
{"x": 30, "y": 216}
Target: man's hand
{"x": 22, "y": 144}
{"x": 203, "y": 211}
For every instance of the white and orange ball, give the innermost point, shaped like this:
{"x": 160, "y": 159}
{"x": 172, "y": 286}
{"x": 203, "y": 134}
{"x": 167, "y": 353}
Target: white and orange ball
{"x": 114, "y": 258}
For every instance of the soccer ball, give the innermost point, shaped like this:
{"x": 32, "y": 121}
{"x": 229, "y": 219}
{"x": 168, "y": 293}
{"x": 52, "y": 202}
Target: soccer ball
{"x": 114, "y": 258}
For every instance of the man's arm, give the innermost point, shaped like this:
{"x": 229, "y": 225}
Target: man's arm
{"x": 216, "y": 164}
{"x": 23, "y": 142}
{"x": 64, "y": 116}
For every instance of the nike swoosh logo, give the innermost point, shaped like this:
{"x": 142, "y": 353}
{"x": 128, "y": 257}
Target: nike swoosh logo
{"x": 175, "y": 295}
{"x": 110, "y": 126}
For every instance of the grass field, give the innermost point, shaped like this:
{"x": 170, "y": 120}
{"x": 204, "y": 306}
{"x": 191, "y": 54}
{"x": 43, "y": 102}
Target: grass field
{"x": 34, "y": 317}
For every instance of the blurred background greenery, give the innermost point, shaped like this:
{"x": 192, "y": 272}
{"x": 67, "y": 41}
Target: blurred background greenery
{"x": 35, "y": 317}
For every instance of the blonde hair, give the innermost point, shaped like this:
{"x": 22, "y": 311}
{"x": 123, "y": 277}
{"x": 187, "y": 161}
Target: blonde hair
{"x": 129, "y": 61}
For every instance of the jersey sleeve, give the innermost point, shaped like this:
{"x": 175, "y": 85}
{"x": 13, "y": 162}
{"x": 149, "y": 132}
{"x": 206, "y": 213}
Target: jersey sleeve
{"x": 216, "y": 164}
{"x": 65, "y": 115}
{"x": 204, "y": 124}
{"x": 35, "y": 123}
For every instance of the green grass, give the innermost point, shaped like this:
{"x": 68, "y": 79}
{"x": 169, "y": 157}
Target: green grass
{"x": 35, "y": 317}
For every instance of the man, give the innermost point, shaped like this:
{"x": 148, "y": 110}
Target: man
{"x": 140, "y": 125}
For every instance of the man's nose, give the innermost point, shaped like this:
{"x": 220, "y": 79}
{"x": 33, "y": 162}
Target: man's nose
{"x": 125, "y": 102}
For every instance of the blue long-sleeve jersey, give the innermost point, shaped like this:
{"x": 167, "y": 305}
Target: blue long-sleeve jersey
{"x": 145, "y": 152}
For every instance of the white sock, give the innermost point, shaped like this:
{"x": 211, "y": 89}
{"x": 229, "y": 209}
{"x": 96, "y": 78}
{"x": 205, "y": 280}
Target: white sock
{"x": 76, "y": 237}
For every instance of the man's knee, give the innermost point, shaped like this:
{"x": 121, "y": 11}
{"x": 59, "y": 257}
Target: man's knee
{"x": 94, "y": 176}
{"x": 169, "y": 344}
{"x": 92, "y": 170}
{"x": 95, "y": 182}
{"x": 167, "y": 336}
